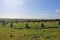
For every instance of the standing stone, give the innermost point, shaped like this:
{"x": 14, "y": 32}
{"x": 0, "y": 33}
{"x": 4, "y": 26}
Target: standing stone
{"x": 59, "y": 22}
{"x": 26, "y": 25}
{"x": 11, "y": 24}
{"x": 42, "y": 25}
{"x": 4, "y": 23}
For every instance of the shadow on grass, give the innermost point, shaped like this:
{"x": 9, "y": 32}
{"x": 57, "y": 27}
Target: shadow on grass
{"x": 37, "y": 28}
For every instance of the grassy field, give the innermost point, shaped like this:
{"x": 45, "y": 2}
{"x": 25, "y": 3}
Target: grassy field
{"x": 19, "y": 31}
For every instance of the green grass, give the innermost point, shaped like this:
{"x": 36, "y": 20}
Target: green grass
{"x": 29, "y": 34}
{"x": 8, "y": 33}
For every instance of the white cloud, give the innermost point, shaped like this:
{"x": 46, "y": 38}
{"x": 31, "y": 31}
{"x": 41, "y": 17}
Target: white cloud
{"x": 43, "y": 14}
{"x": 57, "y": 10}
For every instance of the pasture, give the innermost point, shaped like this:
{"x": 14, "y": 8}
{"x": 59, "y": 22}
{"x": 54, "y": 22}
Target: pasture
{"x": 30, "y": 30}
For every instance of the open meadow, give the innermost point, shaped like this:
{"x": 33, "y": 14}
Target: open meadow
{"x": 47, "y": 30}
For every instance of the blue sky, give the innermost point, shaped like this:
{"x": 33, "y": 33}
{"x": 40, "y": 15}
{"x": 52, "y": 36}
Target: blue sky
{"x": 43, "y": 9}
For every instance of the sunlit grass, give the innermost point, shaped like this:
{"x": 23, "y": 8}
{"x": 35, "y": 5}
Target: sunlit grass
{"x": 33, "y": 33}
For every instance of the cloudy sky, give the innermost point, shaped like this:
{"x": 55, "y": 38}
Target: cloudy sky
{"x": 44, "y": 9}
